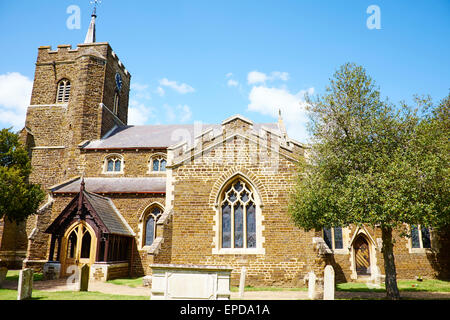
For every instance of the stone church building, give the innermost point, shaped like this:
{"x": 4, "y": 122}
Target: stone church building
{"x": 122, "y": 197}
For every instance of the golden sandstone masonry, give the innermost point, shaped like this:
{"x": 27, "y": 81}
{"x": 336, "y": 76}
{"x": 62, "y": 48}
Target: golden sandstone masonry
{"x": 122, "y": 197}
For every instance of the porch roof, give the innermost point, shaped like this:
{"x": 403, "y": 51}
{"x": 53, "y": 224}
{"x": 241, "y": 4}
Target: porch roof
{"x": 101, "y": 209}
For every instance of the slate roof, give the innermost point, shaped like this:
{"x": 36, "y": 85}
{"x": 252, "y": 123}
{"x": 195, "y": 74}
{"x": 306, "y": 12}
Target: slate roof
{"x": 158, "y": 136}
{"x": 114, "y": 185}
{"x": 109, "y": 214}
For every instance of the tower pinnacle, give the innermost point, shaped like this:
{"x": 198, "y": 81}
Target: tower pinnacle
{"x": 90, "y": 35}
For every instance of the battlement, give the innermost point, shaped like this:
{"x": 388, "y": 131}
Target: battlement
{"x": 65, "y": 54}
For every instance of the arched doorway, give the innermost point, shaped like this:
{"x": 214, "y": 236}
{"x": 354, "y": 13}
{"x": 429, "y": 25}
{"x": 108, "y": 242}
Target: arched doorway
{"x": 362, "y": 256}
{"x": 78, "y": 246}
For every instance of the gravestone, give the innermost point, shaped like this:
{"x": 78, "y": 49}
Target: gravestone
{"x": 242, "y": 282}
{"x": 84, "y": 277}
{"x": 311, "y": 285}
{"x": 328, "y": 283}
{"x": 25, "y": 286}
{"x": 3, "y": 272}
{"x": 147, "y": 281}
{"x": 187, "y": 282}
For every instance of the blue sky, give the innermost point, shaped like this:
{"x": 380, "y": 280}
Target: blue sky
{"x": 207, "y": 60}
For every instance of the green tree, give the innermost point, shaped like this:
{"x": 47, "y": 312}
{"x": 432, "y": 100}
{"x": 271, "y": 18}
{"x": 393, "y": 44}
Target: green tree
{"x": 372, "y": 164}
{"x": 18, "y": 198}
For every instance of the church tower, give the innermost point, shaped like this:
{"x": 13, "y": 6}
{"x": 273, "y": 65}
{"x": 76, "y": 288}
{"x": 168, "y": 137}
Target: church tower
{"x": 78, "y": 95}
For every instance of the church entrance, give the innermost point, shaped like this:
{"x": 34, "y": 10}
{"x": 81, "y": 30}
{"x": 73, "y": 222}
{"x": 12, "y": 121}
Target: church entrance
{"x": 362, "y": 256}
{"x": 78, "y": 247}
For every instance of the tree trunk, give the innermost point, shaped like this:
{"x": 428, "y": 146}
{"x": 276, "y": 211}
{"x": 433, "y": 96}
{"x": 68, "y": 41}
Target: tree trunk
{"x": 389, "y": 264}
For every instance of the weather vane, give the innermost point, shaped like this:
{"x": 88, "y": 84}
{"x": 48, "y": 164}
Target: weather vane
{"x": 95, "y": 3}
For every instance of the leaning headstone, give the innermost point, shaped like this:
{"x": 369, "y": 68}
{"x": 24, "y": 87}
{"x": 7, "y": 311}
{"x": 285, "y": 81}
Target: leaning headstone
{"x": 376, "y": 277}
{"x": 25, "y": 286}
{"x": 147, "y": 281}
{"x": 328, "y": 283}
{"x": 84, "y": 277}
{"x": 3, "y": 272}
{"x": 311, "y": 285}
{"x": 242, "y": 282}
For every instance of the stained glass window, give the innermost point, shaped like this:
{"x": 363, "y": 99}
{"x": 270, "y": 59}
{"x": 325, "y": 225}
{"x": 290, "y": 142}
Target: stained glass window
{"x": 158, "y": 163}
{"x": 327, "y": 237}
{"x": 117, "y": 165}
{"x": 420, "y": 237}
{"x": 238, "y": 226}
{"x": 226, "y": 225}
{"x": 114, "y": 164}
{"x": 149, "y": 231}
{"x": 251, "y": 226}
{"x": 333, "y": 238}
{"x": 163, "y": 165}
{"x": 110, "y": 165}
{"x": 426, "y": 242}
{"x": 238, "y": 217}
{"x": 338, "y": 244}
{"x": 150, "y": 225}
{"x": 415, "y": 241}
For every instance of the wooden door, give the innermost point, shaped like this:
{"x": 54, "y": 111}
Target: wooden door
{"x": 79, "y": 247}
{"x": 362, "y": 256}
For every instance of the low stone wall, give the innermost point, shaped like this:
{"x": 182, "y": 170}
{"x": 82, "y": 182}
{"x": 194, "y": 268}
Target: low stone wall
{"x": 109, "y": 271}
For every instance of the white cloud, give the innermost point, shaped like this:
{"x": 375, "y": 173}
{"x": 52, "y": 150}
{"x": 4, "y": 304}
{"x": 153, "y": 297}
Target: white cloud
{"x": 232, "y": 83}
{"x": 229, "y": 74}
{"x": 160, "y": 91}
{"x": 180, "y": 113}
{"x": 184, "y": 112}
{"x": 180, "y": 88}
{"x": 15, "y": 95}
{"x": 140, "y": 91}
{"x": 255, "y": 77}
{"x": 268, "y": 101}
{"x": 139, "y": 113}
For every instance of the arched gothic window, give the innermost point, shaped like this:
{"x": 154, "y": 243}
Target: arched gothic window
{"x": 158, "y": 163}
{"x": 333, "y": 238}
{"x": 238, "y": 216}
{"x": 63, "y": 93}
{"x": 150, "y": 225}
{"x": 420, "y": 237}
{"x": 113, "y": 164}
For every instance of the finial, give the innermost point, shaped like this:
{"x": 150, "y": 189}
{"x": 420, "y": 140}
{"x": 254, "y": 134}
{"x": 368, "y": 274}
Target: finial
{"x": 82, "y": 184}
{"x": 90, "y": 36}
{"x": 281, "y": 124}
{"x": 95, "y": 2}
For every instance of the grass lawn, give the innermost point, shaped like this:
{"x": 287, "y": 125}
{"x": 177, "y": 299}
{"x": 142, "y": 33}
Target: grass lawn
{"x": 250, "y": 288}
{"x": 13, "y": 275}
{"x": 132, "y": 282}
{"x": 403, "y": 285}
{"x": 6, "y": 294}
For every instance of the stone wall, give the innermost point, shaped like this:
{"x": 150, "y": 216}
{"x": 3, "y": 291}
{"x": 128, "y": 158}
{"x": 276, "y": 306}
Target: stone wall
{"x": 136, "y": 163}
{"x": 287, "y": 253}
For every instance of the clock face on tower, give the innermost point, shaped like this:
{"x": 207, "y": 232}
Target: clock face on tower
{"x": 118, "y": 81}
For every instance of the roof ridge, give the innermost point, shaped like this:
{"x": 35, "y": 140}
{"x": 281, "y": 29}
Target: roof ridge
{"x": 97, "y": 195}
